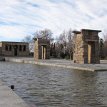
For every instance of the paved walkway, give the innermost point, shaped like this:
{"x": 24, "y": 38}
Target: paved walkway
{"x": 62, "y": 63}
{"x": 9, "y": 99}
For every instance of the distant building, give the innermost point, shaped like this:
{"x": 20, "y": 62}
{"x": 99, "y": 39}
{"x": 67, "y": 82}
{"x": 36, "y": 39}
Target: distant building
{"x": 42, "y": 48}
{"x": 14, "y": 48}
{"x": 86, "y": 49}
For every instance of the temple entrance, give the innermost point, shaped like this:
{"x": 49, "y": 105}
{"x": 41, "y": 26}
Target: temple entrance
{"x": 91, "y": 52}
{"x": 86, "y": 49}
{"x": 43, "y": 52}
{"x": 15, "y": 50}
{"x": 42, "y": 48}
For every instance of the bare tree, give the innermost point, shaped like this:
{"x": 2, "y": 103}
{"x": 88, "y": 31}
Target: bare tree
{"x": 101, "y": 46}
{"x": 105, "y": 43}
{"x": 27, "y": 38}
{"x": 46, "y": 34}
{"x": 70, "y": 44}
{"x": 66, "y": 43}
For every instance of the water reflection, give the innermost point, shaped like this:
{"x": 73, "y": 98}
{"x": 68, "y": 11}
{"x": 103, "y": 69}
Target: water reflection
{"x": 86, "y": 89}
{"x": 56, "y": 87}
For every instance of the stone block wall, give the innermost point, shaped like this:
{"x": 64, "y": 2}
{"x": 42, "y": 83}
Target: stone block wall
{"x": 79, "y": 50}
{"x": 86, "y": 48}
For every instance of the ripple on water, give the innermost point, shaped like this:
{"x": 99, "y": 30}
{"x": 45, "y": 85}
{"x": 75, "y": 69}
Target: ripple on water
{"x": 56, "y": 87}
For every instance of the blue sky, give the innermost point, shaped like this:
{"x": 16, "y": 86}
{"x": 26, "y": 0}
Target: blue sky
{"x": 19, "y": 18}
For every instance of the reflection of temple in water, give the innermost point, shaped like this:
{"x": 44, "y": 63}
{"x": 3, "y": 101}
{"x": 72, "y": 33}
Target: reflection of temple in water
{"x": 86, "y": 48}
{"x": 87, "y": 89}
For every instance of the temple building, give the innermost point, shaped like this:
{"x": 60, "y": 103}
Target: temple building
{"x": 14, "y": 48}
{"x": 86, "y": 48}
{"x": 42, "y": 48}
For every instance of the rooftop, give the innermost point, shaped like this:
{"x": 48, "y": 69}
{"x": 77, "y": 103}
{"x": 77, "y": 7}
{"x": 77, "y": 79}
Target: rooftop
{"x": 11, "y": 42}
{"x": 78, "y": 32}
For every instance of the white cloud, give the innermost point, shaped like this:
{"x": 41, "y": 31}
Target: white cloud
{"x": 19, "y": 18}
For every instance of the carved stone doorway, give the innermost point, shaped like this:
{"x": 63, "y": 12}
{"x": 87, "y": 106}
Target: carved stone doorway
{"x": 91, "y": 52}
{"x": 15, "y": 50}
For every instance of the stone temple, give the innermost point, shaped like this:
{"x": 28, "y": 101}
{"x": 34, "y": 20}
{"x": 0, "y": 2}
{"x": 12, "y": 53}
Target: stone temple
{"x": 86, "y": 48}
{"x": 20, "y": 49}
{"x": 42, "y": 48}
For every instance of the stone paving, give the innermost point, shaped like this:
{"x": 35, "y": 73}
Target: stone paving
{"x": 62, "y": 63}
{"x": 9, "y": 99}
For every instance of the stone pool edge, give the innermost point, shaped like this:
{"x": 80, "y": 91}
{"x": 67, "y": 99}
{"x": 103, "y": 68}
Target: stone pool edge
{"x": 8, "y": 98}
{"x": 82, "y": 68}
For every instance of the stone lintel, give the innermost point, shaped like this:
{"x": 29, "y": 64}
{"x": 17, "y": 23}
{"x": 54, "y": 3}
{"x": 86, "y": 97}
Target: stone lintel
{"x": 78, "y": 32}
{"x": 36, "y": 39}
{"x": 90, "y": 30}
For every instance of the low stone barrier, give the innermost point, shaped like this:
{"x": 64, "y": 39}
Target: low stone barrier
{"x": 72, "y": 66}
{"x": 9, "y": 98}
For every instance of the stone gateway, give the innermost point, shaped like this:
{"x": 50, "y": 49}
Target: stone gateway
{"x": 42, "y": 48}
{"x": 86, "y": 48}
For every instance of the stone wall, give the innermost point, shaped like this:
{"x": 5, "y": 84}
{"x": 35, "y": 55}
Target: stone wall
{"x": 79, "y": 50}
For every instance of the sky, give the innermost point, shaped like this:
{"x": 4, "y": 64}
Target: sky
{"x": 19, "y": 18}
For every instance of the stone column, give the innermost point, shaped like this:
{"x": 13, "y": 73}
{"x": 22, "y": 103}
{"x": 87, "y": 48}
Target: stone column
{"x": 89, "y": 53}
{"x": 42, "y": 52}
